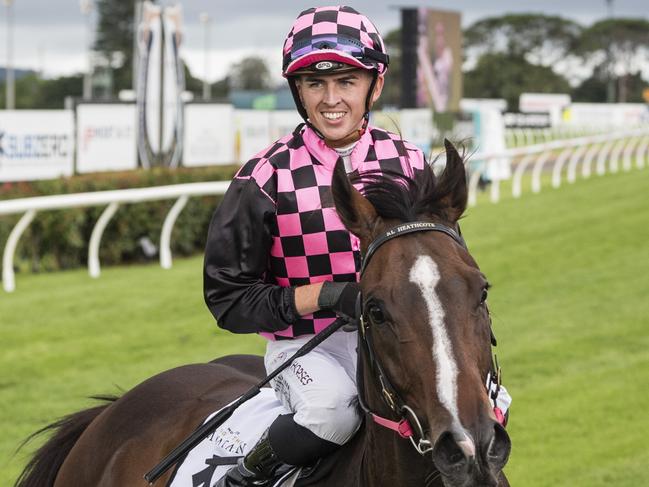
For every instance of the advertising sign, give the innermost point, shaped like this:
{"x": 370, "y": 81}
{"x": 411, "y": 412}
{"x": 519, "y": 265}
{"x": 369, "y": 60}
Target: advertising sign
{"x": 36, "y": 144}
{"x": 209, "y": 135}
{"x": 417, "y": 128}
{"x": 283, "y": 122}
{"x": 106, "y": 137}
{"x": 607, "y": 114}
{"x": 252, "y": 133}
{"x": 552, "y": 103}
{"x": 432, "y": 54}
{"x": 532, "y": 120}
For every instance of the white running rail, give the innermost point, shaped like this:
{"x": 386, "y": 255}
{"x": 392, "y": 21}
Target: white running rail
{"x": 29, "y": 207}
{"x": 602, "y": 148}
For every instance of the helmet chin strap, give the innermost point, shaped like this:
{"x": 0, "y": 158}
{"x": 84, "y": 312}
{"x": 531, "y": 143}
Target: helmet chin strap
{"x": 355, "y": 134}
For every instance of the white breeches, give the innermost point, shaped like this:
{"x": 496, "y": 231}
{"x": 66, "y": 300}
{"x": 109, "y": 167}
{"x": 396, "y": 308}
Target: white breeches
{"x": 320, "y": 386}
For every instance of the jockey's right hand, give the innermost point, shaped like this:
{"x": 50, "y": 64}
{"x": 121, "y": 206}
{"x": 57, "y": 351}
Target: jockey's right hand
{"x": 341, "y": 297}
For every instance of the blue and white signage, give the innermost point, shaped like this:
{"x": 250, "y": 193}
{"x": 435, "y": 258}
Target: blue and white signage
{"x": 36, "y": 144}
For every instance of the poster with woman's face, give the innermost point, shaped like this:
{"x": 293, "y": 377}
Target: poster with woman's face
{"x": 439, "y": 58}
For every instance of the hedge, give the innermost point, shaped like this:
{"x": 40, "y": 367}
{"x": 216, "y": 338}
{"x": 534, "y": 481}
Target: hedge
{"x": 59, "y": 239}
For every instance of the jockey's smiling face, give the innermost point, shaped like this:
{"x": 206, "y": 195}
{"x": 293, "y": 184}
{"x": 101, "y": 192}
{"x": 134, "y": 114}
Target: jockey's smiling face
{"x": 335, "y": 103}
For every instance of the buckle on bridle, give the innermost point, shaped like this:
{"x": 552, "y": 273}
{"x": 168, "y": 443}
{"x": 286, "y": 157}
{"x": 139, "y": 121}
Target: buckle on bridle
{"x": 389, "y": 397}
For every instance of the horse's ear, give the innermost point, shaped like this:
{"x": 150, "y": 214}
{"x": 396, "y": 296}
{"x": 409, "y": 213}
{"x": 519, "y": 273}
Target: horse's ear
{"x": 355, "y": 211}
{"x": 452, "y": 184}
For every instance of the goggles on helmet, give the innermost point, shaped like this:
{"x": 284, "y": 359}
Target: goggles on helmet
{"x": 326, "y": 52}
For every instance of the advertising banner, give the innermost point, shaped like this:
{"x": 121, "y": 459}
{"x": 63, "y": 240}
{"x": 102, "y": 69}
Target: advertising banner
{"x": 432, "y": 54}
{"x": 540, "y": 120}
{"x": 209, "y": 135}
{"x": 106, "y": 137}
{"x": 552, "y": 103}
{"x": 417, "y": 128}
{"x": 283, "y": 122}
{"x": 36, "y": 144}
{"x": 607, "y": 114}
{"x": 252, "y": 133}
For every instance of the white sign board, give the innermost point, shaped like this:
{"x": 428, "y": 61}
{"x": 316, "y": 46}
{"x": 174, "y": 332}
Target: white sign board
{"x": 552, "y": 103}
{"x": 607, "y": 114}
{"x": 106, "y": 137}
{"x": 36, "y": 144}
{"x": 417, "y": 127}
{"x": 209, "y": 135}
{"x": 283, "y": 122}
{"x": 252, "y": 132}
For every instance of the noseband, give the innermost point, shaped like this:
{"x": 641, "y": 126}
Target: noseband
{"x": 409, "y": 426}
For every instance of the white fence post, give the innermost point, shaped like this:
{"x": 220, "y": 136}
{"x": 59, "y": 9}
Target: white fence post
{"x": 600, "y": 167}
{"x": 614, "y": 164}
{"x": 94, "y": 268}
{"x": 628, "y": 153}
{"x": 571, "y": 175}
{"x": 640, "y": 154}
{"x": 558, "y": 166}
{"x": 537, "y": 170}
{"x": 586, "y": 167}
{"x": 8, "y": 278}
{"x": 167, "y": 227}
{"x": 517, "y": 182}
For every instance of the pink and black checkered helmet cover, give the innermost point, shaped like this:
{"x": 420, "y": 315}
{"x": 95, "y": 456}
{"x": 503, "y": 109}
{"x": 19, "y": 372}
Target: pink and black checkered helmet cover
{"x": 338, "y": 34}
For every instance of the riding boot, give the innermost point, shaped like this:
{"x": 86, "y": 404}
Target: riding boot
{"x": 258, "y": 468}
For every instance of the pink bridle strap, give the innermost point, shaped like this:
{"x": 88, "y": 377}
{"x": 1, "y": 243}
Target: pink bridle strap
{"x": 402, "y": 427}
{"x": 500, "y": 417}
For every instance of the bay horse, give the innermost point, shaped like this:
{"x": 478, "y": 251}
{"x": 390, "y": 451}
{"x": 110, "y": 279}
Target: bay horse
{"x": 424, "y": 354}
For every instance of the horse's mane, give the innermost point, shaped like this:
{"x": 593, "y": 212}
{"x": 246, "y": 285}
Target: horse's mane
{"x": 406, "y": 198}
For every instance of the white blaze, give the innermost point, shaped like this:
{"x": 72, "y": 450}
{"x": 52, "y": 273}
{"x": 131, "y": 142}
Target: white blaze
{"x": 425, "y": 274}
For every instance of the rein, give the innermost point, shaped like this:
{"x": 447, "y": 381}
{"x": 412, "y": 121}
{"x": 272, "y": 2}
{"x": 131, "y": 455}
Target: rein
{"x": 408, "y": 426}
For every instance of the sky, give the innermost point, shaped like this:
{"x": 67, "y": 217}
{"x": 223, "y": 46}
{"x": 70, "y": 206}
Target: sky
{"x": 51, "y": 36}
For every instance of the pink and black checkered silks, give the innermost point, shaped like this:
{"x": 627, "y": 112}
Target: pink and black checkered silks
{"x": 339, "y": 22}
{"x": 309, "y": 242}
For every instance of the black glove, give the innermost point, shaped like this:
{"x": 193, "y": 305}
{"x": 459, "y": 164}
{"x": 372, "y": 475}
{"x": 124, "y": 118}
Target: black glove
{"x": 341, "y": 297}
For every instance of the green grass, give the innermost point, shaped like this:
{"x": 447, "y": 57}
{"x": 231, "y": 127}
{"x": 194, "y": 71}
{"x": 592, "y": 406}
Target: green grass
{"x": 570, "y": 269}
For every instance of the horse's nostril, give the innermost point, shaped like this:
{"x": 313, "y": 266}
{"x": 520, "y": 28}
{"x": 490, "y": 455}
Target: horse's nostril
{"x": 499, "y": 448}
{"x": 448, "y": 456}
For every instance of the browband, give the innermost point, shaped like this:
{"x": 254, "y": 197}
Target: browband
{"x": 406, "y": 228}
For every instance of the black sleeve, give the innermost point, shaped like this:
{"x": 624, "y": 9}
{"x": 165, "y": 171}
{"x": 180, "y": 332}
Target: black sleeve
{"x": 236, "y": 264}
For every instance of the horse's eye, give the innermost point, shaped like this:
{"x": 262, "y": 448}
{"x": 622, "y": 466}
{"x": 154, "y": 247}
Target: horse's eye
{"x": 376, "y": 314}
{"x": 484, "y": 296}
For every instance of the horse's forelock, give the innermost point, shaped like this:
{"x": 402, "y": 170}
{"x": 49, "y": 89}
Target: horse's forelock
{"x": 404, "y": 198}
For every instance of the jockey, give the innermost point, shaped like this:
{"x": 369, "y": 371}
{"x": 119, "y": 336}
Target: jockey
{"x": 278, "y": 260}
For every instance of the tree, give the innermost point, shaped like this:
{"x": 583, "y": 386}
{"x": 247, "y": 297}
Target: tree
{"x": 35, "y": 92}
{"x": 540, "y": 39}
{"x": 251, "y": 73}
{"x": 504, "y": 76}
{"x": 620, "y": 45}
{"x": 114, "y": 39}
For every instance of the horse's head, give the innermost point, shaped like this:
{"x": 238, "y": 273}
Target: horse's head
{"x": 426, "y": 323}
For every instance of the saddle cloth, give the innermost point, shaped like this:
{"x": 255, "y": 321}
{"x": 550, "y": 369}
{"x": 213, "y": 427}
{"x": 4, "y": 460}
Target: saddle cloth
{"x": 206, "y": 463}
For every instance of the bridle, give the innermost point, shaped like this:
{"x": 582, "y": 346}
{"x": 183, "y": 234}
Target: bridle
{"x": 408, "y": 426}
